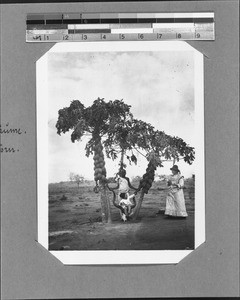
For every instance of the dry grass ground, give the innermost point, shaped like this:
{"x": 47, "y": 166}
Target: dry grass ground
{"x": 75, "y": 221}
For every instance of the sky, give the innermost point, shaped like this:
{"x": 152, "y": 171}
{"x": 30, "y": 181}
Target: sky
{"x": 159, "y": 86}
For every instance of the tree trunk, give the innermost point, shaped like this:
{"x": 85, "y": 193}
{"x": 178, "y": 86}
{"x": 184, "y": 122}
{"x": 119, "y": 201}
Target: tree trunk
{"x": 100, "y": 176}
{"x": 104, "y": 204}
{"x": 138, "y": 207}
{"x": 109, "y": 219}
{"x": 122, "y": 156}
{"x": 121, "y": 159}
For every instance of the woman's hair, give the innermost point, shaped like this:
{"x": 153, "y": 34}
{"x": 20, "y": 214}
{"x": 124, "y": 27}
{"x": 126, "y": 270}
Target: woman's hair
{"x": 123, "y": 195}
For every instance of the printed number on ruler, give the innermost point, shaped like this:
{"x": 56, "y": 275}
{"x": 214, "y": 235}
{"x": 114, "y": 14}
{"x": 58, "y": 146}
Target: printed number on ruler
{"x": 197, "y": 35}
{"x": 122, "y": 36}
{"x": 178, "y": 35}
{"x": 66, "y": 37}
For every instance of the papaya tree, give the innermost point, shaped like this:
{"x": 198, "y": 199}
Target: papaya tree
{"x": 96, "y": 120}
{"x": 137, "y": 136}
{"x": 163, "y": 148}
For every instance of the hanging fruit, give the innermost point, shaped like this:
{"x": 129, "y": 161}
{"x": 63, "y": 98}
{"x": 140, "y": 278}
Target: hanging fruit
{"x": 99, "y": 163}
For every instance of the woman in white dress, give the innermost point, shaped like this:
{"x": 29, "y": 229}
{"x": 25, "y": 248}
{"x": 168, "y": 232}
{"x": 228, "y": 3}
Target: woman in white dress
{"x": 175, "y": 202}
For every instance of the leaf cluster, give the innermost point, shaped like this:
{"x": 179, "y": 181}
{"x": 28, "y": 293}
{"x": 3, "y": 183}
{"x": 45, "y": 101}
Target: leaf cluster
{"x": 68, "y": 117}
{"x": 114, "y": 123}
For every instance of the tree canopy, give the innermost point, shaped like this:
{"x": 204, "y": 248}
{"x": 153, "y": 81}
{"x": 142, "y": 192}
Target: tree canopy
{"x": 114, "y": 123}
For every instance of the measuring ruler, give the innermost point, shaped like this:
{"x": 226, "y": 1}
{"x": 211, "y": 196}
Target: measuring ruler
{"x": 85, "y": 27}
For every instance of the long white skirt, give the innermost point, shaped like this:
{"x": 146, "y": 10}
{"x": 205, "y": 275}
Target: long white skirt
{"x": 175, "y": 204}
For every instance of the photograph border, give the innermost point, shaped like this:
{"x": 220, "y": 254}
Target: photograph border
{"x": 119, "y": 256}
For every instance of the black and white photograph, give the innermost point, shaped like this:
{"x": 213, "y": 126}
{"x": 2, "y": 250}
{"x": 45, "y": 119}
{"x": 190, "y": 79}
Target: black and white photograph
{"x": 120, "y": 150}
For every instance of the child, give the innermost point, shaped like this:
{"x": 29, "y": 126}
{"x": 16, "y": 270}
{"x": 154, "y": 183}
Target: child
{"x": 123, "y": 184}
{"x": 123, "y": 203}
{"x": 127, "y": 205}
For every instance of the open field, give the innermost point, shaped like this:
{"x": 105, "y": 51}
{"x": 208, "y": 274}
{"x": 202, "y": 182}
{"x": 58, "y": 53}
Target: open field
{"x": 75, "y": 221}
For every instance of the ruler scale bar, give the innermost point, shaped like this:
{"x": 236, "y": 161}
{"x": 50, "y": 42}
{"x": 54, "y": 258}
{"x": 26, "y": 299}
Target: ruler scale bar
{"x": 57, "y": 27}
{"x": 47, "y": 27}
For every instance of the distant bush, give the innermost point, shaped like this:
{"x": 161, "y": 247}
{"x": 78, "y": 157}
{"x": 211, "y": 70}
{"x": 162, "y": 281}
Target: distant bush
{"x": 63, "y": 197}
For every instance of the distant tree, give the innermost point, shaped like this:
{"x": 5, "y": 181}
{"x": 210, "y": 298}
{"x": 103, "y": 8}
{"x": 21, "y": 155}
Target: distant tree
{"x": 76, "y": 178}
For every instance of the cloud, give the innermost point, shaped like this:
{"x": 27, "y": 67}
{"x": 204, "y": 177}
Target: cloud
{"x": 187, "y": 101}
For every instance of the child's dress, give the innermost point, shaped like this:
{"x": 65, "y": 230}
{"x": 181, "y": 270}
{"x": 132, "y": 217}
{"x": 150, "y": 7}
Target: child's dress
{"x": 175, "y": 202}
{"x": 127, "y": 201}
{"x": 127, "y": 205}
